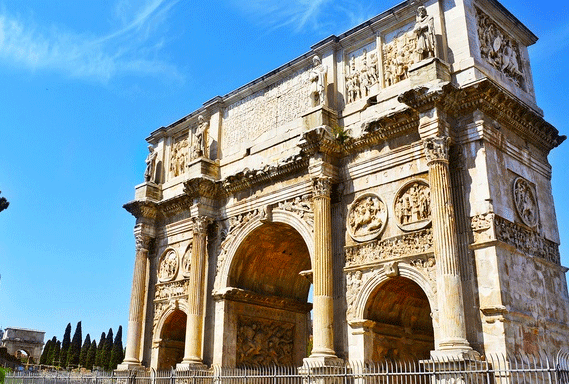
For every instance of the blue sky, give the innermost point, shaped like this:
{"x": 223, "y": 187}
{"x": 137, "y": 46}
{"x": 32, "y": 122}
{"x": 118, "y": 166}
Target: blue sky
{"x": 84, "y": 83}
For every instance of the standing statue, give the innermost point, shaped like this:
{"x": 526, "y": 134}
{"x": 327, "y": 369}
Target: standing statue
{"x": 318, "y": 82}
{"x": 3, "y": 203}
{"x": 199, "y": 149}
{"x": 149, "y": 172}
{"x": 425, "y": 33}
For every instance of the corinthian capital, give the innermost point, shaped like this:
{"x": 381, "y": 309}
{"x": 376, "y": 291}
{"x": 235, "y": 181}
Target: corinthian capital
{"x": 201, "y": 223}
{"x": 143, "y": 242}
{"x": 437, "y": 148}
{"x": 321, "y": 186}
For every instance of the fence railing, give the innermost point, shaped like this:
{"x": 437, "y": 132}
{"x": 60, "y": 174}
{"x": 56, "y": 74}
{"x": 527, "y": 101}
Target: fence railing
{"x": 493, "y": 369}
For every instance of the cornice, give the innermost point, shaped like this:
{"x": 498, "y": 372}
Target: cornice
{"x": 319, "y": 140}
{"x": 250, "y": 297}
{"x": 142, "y": 209}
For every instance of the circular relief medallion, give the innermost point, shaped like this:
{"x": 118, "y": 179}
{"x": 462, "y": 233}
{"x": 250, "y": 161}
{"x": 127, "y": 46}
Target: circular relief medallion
{"x": 187, "y": 261}
{"x": 367, "y": 217}
{"x": 168, "y": 266}
{"x": 412, "y": 206}
{"x": 525, "y": 201}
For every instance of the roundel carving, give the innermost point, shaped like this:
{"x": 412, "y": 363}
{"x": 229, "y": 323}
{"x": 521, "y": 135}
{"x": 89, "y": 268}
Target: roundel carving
{"x": 187, "y": 260}
{"x": 367, "y": 217}
{"x": 412, "y": 206}
{"x": 168, "y": 266}
{"x": 525, "y": 201}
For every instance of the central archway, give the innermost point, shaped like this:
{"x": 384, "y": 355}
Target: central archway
{"x": 267, "y": 297}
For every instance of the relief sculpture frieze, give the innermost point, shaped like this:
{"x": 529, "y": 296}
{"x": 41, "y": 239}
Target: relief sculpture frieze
{"x": 264, "y": 342}
{"x": 174, "y": 289}
{"x": 375, "y": 251}
{"x": 301, "y": 206}
{"x": 361, "y": 73}
{"x": 367, "y": 217}
{"x": 168, "y": 266}
{"x": 525, "y": 202}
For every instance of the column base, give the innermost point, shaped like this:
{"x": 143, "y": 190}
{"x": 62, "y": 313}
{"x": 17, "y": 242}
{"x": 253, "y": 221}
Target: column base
{"x": 315, "y": 360}
{"x": 191, "y": 366}
{"x": 130, "y": 366}
{"x": 456, "y": 352}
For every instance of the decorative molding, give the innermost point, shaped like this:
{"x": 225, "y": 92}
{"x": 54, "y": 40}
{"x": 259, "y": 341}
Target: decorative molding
{"x": 142, "y": 209}
{"x": 377, "y": 251}
{"x": 321, "y": 186}
{"x": 202, "y": 187}
{"x": 143, "y": 242}
{"x": 200, "y": 224}
{"x": 367, "y": 217}
{"x": 490, "y": 227}
{"x": 250, "y": 297}
{"x": 412, "y": 205}
{"x": 319, "y": 140}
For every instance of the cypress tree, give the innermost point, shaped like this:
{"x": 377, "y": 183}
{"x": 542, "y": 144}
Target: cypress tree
{"x": 84, "y": 351}
{"x": 107, "y": 348}
{"x": 99, "y": 354}
{"x": 45, "y": 352}
{"x": 51, "y": 352}
{"x": 75, "y": 347}
{"x": 117, "y": 352}
{"x": 57, "y": 354}
{"x": 90, "y": 361}
{"x": 65, "y": 346}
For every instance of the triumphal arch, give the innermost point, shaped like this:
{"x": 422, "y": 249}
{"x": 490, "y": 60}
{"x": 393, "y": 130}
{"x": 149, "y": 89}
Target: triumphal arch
{"x": 385, "y": 195}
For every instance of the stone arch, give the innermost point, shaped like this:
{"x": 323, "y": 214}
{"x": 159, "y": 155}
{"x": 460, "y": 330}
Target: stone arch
{"x": 165, "y": 313}
{"x": 171, "y": 335}
{"x": 394, "y": 316}
{"x": 227, "y": 254}
{"x": 381, "y": 277}
{"x": 263, "y": 295}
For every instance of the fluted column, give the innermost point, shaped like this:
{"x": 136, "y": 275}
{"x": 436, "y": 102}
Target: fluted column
{"x": 135, "y": 318}
{"x": 445, "y": 238}
{"x": 323, "y": 300}
{"x": 193, "y": 351}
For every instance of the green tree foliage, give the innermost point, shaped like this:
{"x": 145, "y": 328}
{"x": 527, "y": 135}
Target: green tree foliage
{"x": 57, "y": 354}
{"x": 51, "y": 352}
{"x": 44, "y": 355}
{"x": 99, "y": 354}
{"x": 75, "y": 347}
{"x": 91, "y": 355}
{"x": 117, "y": 355}
{"x": 84, "y": 351}
{"x": 65, "y": 346}
{"x": 107, "y": 348}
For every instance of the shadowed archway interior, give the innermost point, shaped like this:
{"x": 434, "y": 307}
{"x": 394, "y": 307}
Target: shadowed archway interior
{"x": 172, "y": 340}
{"x": 401, "y": 318}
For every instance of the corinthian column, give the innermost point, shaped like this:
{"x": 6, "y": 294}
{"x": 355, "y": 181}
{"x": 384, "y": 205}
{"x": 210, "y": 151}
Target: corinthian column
{"x": 193, "y": 353}
{"x": 449, "y": 286}
{"x": 323, "y": 306}
{"x": 135, "y": 318}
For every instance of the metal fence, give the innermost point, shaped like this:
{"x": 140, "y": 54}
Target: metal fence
{"x": 492, "y": 369}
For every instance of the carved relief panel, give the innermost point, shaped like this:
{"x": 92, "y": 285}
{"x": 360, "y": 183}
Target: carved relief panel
{"x": 361, "y": 72}
{"x": 499, "y": 50}
{"x": 179, "y": 154}
{"x": 412, "y": 206}
{"x": 263, "y": 342}
{"x": 168, "y": 265}
{"x": 398, "y": 54}
{"x": 367, "y": 217}
{"x": 525, "y": 201}
{"x": 187, "y": 260}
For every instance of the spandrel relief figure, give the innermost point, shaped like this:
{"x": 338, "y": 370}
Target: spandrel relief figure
{"x": 199, "y": 148}
{"x": 425, "y": 32}
{"x": 150, "y": 171}
{"x": 318, "y": 82}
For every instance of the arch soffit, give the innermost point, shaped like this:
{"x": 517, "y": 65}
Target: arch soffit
{"x": 278, "y": 216}
{"x": 380, "y": 278}
{"x": 172, "y": 307}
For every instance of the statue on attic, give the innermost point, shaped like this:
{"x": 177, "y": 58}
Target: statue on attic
{"x": 425, "y": 33}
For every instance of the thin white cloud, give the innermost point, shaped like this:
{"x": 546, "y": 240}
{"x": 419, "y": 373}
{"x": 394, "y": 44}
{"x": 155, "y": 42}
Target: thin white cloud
{"x": 121, "y": 52}
{"x": 302, "y": 15}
